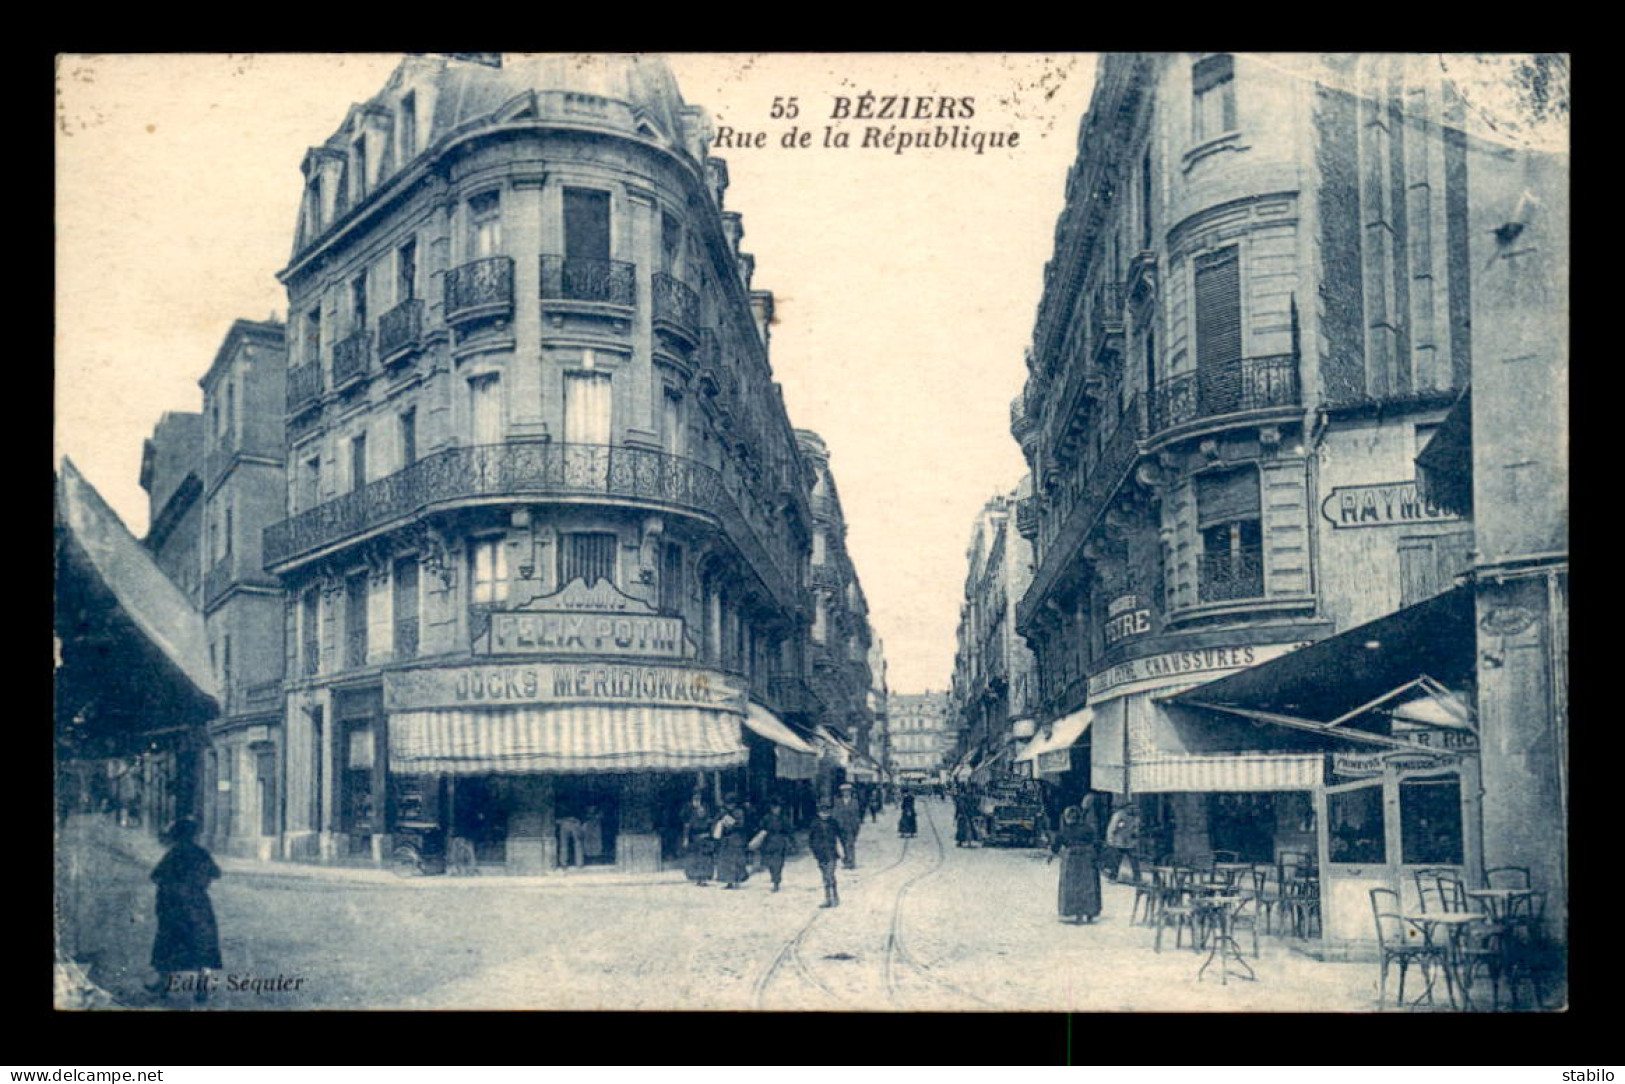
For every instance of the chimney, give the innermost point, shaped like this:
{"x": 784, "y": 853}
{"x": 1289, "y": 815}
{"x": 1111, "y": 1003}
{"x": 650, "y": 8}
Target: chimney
{"x": 733, "y": 227}
{"x": 761, "y": 306}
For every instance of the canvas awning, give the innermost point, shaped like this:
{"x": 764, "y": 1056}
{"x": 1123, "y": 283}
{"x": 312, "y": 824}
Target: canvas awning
{"x": 576, "y": 738}
{"x": 1444, "y": 466}
{"x": 767, "y": 724}
{"x": 833, "y": 747}
{"x": 1323, "y": 687}
{"x": 161, "y": 611}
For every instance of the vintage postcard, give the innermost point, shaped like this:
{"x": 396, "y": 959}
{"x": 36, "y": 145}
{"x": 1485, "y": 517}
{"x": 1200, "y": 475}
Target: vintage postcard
{"x": 838, "y": 532}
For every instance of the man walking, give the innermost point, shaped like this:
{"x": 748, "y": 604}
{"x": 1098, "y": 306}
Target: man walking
{"x": 824, "y": 840}
{"x": 849, "y": 818}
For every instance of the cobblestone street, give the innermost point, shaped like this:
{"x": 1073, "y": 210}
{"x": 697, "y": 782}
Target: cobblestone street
{"x": 922, "y": 925}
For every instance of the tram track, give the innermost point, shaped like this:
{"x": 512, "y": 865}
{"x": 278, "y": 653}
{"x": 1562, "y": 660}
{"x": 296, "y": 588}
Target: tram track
{"x": 897, "y": 961}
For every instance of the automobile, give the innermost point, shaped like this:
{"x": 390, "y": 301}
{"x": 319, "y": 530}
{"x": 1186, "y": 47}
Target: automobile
{"x": 1014, "y": 823}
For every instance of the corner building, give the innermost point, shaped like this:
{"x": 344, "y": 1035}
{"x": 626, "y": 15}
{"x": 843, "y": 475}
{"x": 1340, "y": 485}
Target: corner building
{"x": 548, "y": 524}
{"x": 1255, "y": 316}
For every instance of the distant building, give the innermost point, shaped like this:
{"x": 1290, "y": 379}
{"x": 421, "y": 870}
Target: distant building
{"x": 919, "y": 735}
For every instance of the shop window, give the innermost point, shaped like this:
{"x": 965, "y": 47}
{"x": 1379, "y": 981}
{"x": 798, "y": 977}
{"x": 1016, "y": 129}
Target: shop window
{"x": 1355, "y": 825}
{"x": 1430, "y": 820}
{"x": 489, "y": 561}
{"x": 1213, "y": 89}
{"x": 588, "y": 556}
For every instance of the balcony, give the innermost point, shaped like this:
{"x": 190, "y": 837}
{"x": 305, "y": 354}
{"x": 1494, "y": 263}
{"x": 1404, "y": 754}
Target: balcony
{"x": 675, "y": 304}
{"x": 1027, "y": 517}
{"x": 1106, "y": 320}
{"x": 406, "y": 638}
{"x": 824, "y": 506}
{"x": 355, "y": 647}
{"x": 1236, "y": 574}
{"x": 1215, "y": 391}
{"x": 1118, "y": 455}
{"x": 400, "y": 332}
{"x": 218, "y": 579}
{"x": 304, "y": 386}
{"x": 352, "y": 357}
{"x": 604, "y": 282}
{"x": 1141, "y": 282}
{"x": 825, "y": 575}
{"x": 794, "y": 696}
{"x": 478, "y": 289}
{"x": 542, "y": 471}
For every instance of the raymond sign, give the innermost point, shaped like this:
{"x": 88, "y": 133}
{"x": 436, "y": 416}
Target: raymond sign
{"x": 1384, "y": 505}
{"x": 509, "y": 684}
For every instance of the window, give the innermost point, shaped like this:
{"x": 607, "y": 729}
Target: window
{"x": 671, "y": 423}
{"x": 409, "y": 126}
{"x": 313, "y": 336}
{"x": 485, "y": 225}
{"x": 1430, "y": 564}
{"x": 1213, "y": 87}
{"x": 818, "y": 554}
{"x": 265, "y": 776}
{"x": 586, "y": 224}
{"x": 1145, "y": 201}
{"x": 313, "y": 206}
{"x": 820, "y": 620}
{"x": 360, "y": 149}
{"x": 588, "y": 408}
{"x": 355, "y": 620}
{"x": 310, "y": 631}
{"x": 1218, "y": 311}
{"x": 588, "y": 556}
{"x": 490, "y": 564}
{"x": 409, "y": 436}
{"x": 226, "y": 541}
{"x": 1430, "y": 820}
{"x": 671, "y": 578}
{"x": 485, "y": 397}
{"x": 225, "y": 658}
{"x": 310, "y": 483}
{"x": 358, "y": 461}
{"x": 1355, "y": 825}
{"x": 1232, "y": 565}
{"x": 358, "y": 303}
{"x": 406, "y": 607}
{"x": 671, "y": 239}
{"x": 1148, "y": 349}
{"x": 406, "y": 271}
{"x": 229, "y": 415}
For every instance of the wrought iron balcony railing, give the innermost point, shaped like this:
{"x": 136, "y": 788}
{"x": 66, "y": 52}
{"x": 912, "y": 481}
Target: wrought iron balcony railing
{"x": 479, "y": 288}
{"x": 355, "y": 647}
{"x": 825, "y": 575}
{"x": 1235, "y": 574}
{"x": 825, "y": 506}
{"x": 400, "y": 331}
{"x": 543, "y": 470}
{"x": 406, "y": 638}
{"x": 304, "y": 386}
{"x": 675, "y": 302}
{"x": 569, "y": 278}
{"x": 352, "y": 356}
{"x": 1027, "y": 517}
{"x": 794, "y": 695}
{"x": 1235, "y": 387}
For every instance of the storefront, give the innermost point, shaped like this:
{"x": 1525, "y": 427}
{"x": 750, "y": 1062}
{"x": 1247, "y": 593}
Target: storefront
{"x": 1365, "y": 747}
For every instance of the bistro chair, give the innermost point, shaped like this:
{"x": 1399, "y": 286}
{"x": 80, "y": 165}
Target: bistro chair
{"x": 1145, "y": 894}
{"x": 1526, "y": 956}
{"x": 1428, "y": 888}
{"x": 1245, "y": 916}
{"x": 1301, "y": 898}
{"x": 1507, "y": 877}
{"x": 1267, "y": 897}
{"x": 1453, "y": 894}
{"x": 1174, "y": 907}
{"x": 1401, "y": 941}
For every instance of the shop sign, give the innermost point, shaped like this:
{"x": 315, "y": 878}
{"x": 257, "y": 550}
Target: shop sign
{"x": 582, "y": 620}
{"x": 1365, "y": 765}
{"x": 1125, "y": 618}
{"x": 1054, "y": 761}
{"x": 1383, "y": 505}
{"x": 509, "y": 684}
{"x": 1178, "y": 664}
{"x": 1455, "y": 741}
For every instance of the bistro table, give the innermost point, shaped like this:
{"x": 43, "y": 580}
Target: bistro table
{"x": 1454, "y": 924}
{"x": 1500, "y": 904}
{"x": 1215, "y": 911}
{"x": 1232, "y": 870}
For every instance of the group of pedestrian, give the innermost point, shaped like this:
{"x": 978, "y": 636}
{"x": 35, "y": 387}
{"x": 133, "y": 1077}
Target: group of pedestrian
{"x": 719, "y": 848}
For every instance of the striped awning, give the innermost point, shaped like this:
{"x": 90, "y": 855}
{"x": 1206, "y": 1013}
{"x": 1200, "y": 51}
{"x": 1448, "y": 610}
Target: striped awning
{"x": 1230, "y": 772}
{"x": 579, "y": 738}
{"x": 767, "y": 724}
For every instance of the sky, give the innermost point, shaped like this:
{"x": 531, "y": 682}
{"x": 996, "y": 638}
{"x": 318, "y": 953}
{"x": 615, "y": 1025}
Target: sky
{"x": 906, "y": 283}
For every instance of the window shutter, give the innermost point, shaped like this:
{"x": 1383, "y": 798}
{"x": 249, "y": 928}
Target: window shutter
{"x": 589, "y": 557}
{"x": 1218, "y": 309}
{"x": 1222, "y": 498}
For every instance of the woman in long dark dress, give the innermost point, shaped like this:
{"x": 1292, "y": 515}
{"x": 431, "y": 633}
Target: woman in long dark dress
{"x": 701, "y": 862}
{"x": 732, "y": 857}
{"x": 907, "y": 821}
{"x": 188, "y": 939}
{"x": 1077, "y": 842}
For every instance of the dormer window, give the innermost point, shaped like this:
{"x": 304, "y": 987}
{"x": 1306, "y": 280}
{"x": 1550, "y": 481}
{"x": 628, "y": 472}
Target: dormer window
{"x": 313, "y": 206}
{"x": 359, "y": 154}
{"x": 409, "y": 127}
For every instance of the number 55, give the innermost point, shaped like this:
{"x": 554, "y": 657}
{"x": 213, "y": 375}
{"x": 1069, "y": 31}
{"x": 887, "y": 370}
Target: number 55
{"x": 784, "y": 108}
